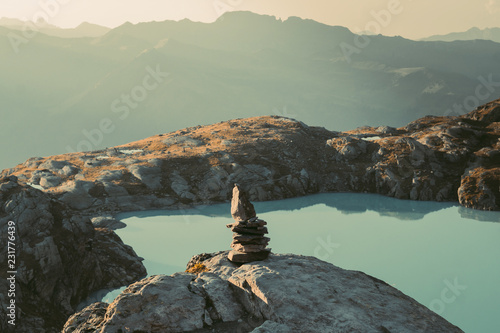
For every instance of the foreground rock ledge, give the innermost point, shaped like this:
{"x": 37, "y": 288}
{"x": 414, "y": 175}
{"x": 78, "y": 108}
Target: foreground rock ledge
{"x": 285, "y": 293}
{"x": 60, "y": 259}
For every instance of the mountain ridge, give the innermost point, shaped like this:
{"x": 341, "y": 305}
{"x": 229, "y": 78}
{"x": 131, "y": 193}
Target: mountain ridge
{"x": 226, "y": 70}
{"x": 84, "y": 29}
{"x": 492, "y": 34}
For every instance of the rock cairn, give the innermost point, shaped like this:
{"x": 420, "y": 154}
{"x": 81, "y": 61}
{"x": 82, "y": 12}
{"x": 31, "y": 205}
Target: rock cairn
{"x": 249, "y": 243}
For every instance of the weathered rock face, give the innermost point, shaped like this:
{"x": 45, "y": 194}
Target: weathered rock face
{"x": 61, "y": 258}
{"x": 285, "y": 293}
{"x": 433, "y": 158}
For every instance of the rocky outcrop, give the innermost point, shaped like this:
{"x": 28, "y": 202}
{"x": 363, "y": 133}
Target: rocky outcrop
{"x": 107, "y": 222}
{"x": 284, "y": 293}
{"x": 480, "y": 185}
{"x": 60, "y": 258}
{"x": 433, "y": 158}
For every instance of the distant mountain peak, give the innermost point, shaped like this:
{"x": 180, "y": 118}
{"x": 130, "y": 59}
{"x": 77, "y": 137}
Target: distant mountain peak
{"x": 245, "y": 15}
{"x": 91, "y": 25}
{"x": 87, "y": 29}
{"x": 125, "y": 25}
{"x": 474, "y": 29}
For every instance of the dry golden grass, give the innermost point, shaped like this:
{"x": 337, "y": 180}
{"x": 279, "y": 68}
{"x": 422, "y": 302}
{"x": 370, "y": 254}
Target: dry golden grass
{"x": 91, "y": 174}
{"x": 157, "y": 146}
{"x": 197, "y": 269}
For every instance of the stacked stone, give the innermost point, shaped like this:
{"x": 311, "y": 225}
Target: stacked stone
{"x": 249, "y": 243}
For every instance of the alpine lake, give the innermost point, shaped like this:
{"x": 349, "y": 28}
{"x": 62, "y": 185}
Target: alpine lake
{"x": 443, "y": 255}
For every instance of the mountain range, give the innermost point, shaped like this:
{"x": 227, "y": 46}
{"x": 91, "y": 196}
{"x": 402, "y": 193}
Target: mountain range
{"x": 85, "y": 29}
{"x": 70, "y": 94}
{"x": 474, "y": 33}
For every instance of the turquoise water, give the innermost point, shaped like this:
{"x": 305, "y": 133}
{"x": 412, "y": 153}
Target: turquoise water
{"x": 444, "y": 256}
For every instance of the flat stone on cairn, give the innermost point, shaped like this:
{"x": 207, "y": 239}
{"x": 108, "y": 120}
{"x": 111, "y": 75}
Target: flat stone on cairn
{"x": 249, "y": 243}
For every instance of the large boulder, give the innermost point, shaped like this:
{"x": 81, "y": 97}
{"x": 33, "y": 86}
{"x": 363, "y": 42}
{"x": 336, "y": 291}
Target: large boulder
{"x": 285, "y": 293}
{"x": 60, "y": 258}
{"x": 77, "y": 194}
{"x": 150, "y": 176}
{"x": 480, "y": 188}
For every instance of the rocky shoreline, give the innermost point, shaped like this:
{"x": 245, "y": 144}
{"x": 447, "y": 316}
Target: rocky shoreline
{"x": 66, "y": 249}
{"x": 60, "y": 258}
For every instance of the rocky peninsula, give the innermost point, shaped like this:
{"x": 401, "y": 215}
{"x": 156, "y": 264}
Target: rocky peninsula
{"x": 432, "y": 159}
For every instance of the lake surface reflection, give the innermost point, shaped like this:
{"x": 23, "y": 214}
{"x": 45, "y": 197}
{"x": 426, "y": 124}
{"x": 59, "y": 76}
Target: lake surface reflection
{"x": 443, "y": 255}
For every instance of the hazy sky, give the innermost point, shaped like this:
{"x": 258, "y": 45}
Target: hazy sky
{"x": 409, "y": 18}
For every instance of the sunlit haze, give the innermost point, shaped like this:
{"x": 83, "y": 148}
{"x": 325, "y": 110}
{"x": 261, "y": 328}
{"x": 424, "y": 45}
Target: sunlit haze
{"x": 411, "y": 19}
